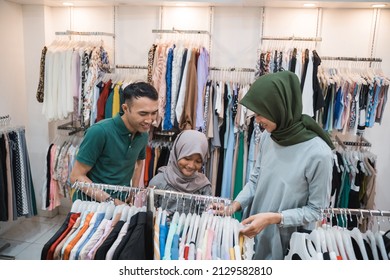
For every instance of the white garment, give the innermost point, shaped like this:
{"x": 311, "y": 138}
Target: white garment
{"x": 307, "y": 92}
{"x": 182, "y": 90}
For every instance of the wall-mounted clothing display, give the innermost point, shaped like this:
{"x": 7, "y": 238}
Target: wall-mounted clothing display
{"x": 354, "y": 182}
{"x": 68, "y": 72}
{"x": 17, "y": 195}
{"x": 179, "y": 73}
{"x": 304, "y": 63}
{"x": 353, "y": 101}
{"x": 60, "y": 158}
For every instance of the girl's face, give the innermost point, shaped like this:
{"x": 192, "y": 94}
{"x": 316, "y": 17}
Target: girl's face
{"x": 190, "y": 164}
{"x": 265, "y": 123}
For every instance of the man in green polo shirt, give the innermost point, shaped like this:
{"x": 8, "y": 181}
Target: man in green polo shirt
{"x": 113, "y": 150}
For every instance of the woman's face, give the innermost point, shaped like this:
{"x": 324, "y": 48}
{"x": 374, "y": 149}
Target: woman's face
{"x": 190, "y": 164}
{"x": 265, "y": 123}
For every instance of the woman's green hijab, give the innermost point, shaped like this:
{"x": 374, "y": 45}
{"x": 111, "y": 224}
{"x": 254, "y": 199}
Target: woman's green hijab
{"x": 278, "y": 98}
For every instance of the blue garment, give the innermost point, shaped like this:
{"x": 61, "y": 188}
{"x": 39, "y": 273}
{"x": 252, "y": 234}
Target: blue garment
{"x": 338, "y": 109}
{"x": 167, "y": 124}
{"x": 162, "y": 239}
{"x": 202, "y": 74}
{"x": 375, "y": 101}
{"x": 175, "y": 247}
{"x": 229, "y": 149}
{"x": 99, "y": 219}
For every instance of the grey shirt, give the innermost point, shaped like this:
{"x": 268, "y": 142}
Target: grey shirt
{"x": 294, "y": 180}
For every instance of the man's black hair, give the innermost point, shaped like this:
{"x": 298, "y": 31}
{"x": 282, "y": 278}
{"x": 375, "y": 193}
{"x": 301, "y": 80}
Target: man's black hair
{"x": 139, "y": 89}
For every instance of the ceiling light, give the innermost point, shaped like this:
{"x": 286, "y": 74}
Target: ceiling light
{"x": 67, "y": 4}
{"x": 309, "y": 5}
{"x": 378, "y": 5}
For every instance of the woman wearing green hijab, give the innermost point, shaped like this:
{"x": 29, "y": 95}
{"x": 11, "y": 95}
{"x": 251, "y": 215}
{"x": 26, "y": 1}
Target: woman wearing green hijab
{"x": 291, "y": 181}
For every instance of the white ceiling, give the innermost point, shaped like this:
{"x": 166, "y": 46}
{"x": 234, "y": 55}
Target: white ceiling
{"x": 243, "y": 3}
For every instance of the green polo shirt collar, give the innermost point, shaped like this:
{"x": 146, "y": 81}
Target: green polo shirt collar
{"x": 120, "y": 125}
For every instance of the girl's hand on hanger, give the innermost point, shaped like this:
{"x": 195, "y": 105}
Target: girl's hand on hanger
{"x": 256, "y": 223}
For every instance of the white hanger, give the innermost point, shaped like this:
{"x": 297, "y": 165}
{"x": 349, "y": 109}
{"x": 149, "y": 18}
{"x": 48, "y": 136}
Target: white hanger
{"x": 370, "y": 237}
{"x": 381, "y": 245}
{"x": 339, "y": 242}
{"x": 75, "y": 206}
{"x": 202, "y": 228}
{"x": 109, "y": 213}
{"x": 180, "y": 224}
{"x": 356, "y": 234}
{"x": 125, "y": 211}
{"x": 298, "y": 245}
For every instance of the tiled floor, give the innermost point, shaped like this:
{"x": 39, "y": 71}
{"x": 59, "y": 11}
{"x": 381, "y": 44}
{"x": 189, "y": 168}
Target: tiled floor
{"x": 27, "y": 237}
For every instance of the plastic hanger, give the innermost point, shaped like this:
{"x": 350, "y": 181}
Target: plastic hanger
{"x": 75, "y": 206}
{"x": 369, "y": 235}
{"x": 298, "y": 246}
{"x": 339, "y": 242}
{"x": 357, "y": 235}
{"x": 125, "y": 211}
{"x": 109, "y": 211}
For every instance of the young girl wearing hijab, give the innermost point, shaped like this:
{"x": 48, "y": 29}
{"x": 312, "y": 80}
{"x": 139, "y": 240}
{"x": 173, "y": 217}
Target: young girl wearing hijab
{"x": 182, "y": 173}
{"x": 291, "y": 180}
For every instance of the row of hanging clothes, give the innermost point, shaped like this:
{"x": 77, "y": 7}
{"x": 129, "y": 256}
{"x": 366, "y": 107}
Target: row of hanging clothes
{"x": 297, "y": 55}
{"x": 193, "y": 233}
{"x": 17, "y": 195}
{"x": 59, "y": 161}
{"x": 69, "y": 69}
{"x": 226, "y": 127}
{"x": 342, "y": 240}
{"x": 102, "y": 231}
{"x": 355, "y": 93}
{"x": 354, "y": 176}
{"x": 178, "y": 68}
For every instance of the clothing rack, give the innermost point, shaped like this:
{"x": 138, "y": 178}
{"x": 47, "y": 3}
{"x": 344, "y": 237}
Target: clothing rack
{"x": 292, "y": 38}
{"x": 5, "y": 120}
{"x": 357, "y": 212}
{"x": 130, "y": 67}
{"x": 4, "y": 123}
{"x": 71, "y": 32}
{"x": 357, "y": 140}
{"x": 72, "y": 127}
{"x": 344, "y": 58}
{"x": 173, "y": 30}
{"x": 151, "y": 192}
{"x": 231, "y": 69}
{"x": 197, "y": 197}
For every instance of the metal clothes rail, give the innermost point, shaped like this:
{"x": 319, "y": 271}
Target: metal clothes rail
{"x": 173, "y": 30}
{"x": 152, "y": 192}
{"x": 358, "y": 212}
{"x": 345, "y": 58}
{"x": 121, "y": 66}
{"x": 71, "y": 32}
{"x": 292, "y": 38}
{"x": 232, "y": 69}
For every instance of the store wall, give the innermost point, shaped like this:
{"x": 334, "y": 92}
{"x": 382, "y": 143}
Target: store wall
{"x": 12, "y": 93}
{"x": 235, "y": 39}
{"x": 13, "y": 100}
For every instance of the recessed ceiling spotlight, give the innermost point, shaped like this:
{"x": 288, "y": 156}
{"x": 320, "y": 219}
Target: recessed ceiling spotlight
{"x": 378, "y": 5}
{"x": 309, "y": 5}
{"x": 67, "y": 4}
